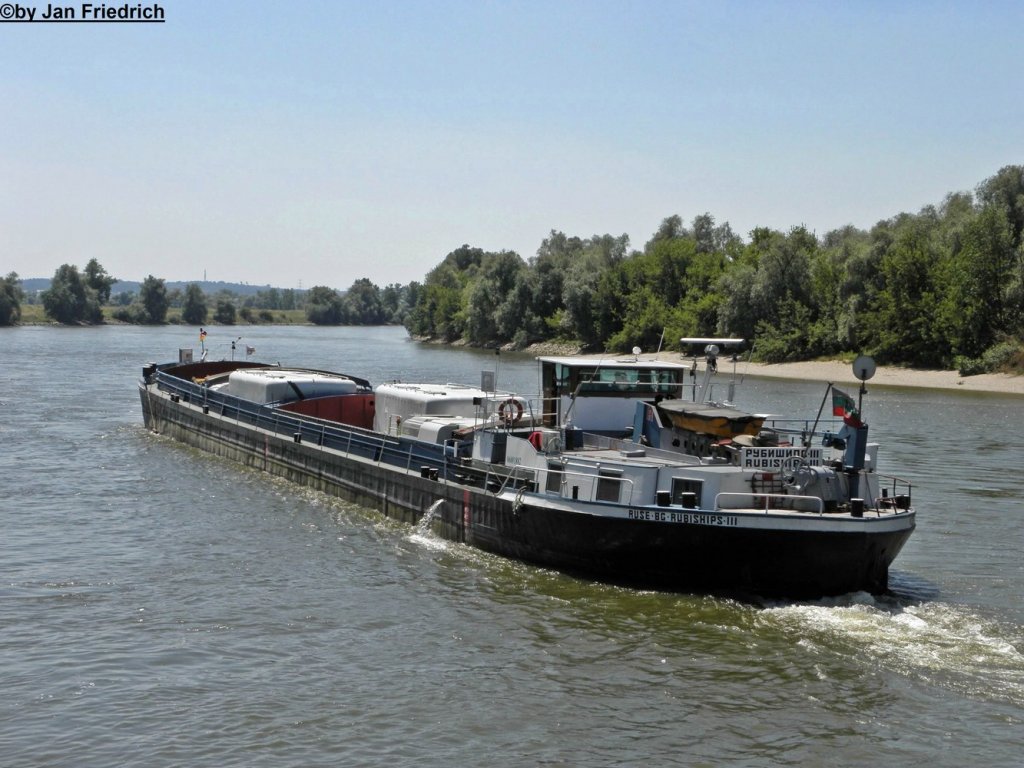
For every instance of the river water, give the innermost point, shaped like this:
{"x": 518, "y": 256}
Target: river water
{"x": 160, "y": 607}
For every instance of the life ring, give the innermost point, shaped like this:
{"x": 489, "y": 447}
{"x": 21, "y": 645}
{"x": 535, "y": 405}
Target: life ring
{"x": 510, "y": 411}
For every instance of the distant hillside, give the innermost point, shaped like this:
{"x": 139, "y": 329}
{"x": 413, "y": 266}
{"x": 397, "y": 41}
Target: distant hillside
{"x": 34, "y": 284}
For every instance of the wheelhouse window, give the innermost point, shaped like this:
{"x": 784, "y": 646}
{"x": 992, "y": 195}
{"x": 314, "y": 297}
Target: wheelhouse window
{"x": 629, "y": 381}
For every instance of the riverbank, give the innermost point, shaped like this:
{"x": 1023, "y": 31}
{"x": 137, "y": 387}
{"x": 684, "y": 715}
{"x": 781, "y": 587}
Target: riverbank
{"x": 839, "y": 372}
{"x": 835, "y": 371}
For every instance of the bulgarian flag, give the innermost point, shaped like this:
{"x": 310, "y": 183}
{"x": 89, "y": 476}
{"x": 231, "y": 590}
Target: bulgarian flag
{"x": 844, "y": 407}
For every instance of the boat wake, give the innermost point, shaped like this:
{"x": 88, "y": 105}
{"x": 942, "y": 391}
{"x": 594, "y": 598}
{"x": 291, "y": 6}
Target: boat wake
{"x": 948, "y": 645}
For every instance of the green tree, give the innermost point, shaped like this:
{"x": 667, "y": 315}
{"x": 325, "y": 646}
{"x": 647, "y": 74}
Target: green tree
{"x": 645, "y": 317}
{"x": 609, "y": 303}
{"x": 767, "y": 294}
{"x": 11, "y": 296}
{"x": 567, "y": 272}
{"x": 552, "y": 268}
{"x": 324, "y": 306}
{"x": 98, "y": 280}
{"x": 362, "y": 303}
{"x": 488, "y": 292}
{"x": 981, "y": 276}
{"x": 709, "y": 238}
{"x": 225, "y": 312}
{"x": 193, "y": 309}
{"x": 441, "y": 306}
{"x": 392, "y": 299}
{"x": 847, "y": 269}
{"x": 901, "y": 324}
{"x": 69, "y": 299}
{"x": 736, "y": 313}
{"x": 1006, "y": 190}
{"x": 783, "y": 270}
{"x": 269, "y": 299}
{"x": 578, "y": 319}
{"x": 671, "y": 228}
{"x": 515, "y": 318}
{"x": 153, "y": 298}
{"x": 447, "y": 317}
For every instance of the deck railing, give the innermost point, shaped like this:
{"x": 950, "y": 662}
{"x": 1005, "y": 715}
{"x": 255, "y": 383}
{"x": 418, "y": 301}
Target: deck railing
{"x": 768, "y": 501}
{"x": 430, "y": 460}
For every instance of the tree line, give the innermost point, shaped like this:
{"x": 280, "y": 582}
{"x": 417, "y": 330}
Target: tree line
{"x": 78, "y": 297}
{"x": 940, "y": 288}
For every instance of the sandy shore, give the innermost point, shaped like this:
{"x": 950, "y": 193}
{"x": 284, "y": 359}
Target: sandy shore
{"x": 840, "y": 373}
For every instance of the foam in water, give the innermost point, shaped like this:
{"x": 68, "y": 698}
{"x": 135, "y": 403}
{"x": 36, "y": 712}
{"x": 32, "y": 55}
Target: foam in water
{"x": 943, "y": 644}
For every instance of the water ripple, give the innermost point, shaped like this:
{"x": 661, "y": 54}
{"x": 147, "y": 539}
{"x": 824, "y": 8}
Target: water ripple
{"x": 159, "y": 607}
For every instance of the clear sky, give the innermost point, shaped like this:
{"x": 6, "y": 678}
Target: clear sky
{"x": 314, "y": 143}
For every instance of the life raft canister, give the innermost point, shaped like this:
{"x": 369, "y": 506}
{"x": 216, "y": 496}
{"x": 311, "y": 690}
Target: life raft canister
{"x": 510, "y": 411}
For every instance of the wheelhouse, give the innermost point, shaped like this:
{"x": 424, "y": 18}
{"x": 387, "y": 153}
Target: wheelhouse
{"x": 600, "y": 394}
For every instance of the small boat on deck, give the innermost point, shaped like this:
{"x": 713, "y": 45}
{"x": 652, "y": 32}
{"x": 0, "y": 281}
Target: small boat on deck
{"x": 717, "y": 421}
{"x": 625, "y": 470}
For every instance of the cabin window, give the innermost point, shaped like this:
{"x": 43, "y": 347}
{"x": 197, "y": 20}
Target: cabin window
{"x": 555, "y": 475}
{"x": 609, "y": 381}
{"x": 683, "y": 485}
{"x": 608, "y": 485}
{"x": 666, "y": 383}
{"x": 631, "y": 381}
{"x": 563, "y": 376}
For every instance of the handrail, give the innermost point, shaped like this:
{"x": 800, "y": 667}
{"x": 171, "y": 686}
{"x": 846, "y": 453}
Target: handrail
{"x": 896, "y": 481}
{"x": 345, "y": 437}
{"x": 398, "y": 451}
{"x": 815, "y": 500}
{"x": 897, "y": 484}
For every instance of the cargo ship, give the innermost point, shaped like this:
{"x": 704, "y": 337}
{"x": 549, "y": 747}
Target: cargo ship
{"x": 627, "y": 470}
